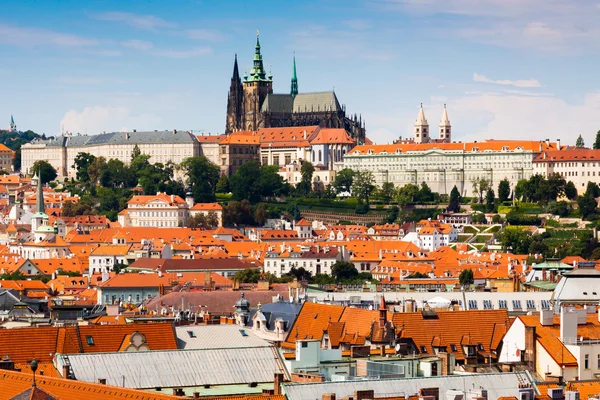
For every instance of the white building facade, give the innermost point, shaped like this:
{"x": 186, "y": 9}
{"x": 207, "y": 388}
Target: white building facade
{"x": 579, "y": 166}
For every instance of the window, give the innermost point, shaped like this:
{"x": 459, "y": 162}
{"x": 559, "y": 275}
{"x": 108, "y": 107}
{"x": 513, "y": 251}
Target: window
{"x": 89, "y": 340}
{"x": 598, "y": 361}
{"x": 453, "y": 347}
{"x": 191, "y": 334}
{"x": 530, "y": 304}
{"x": 304, "y": 344}
{"x": 243, "y": 332}
{"x": 480, "y": 347}
{"x": 472, "y": 304}
{"x": 587, "y": 362}
{"x": 502, "y": 304}
{"x": 545, "y": 304}
{"x": 487, "y": 304}
{"x": 517, "y": 305}
{"x": 423, "y": 349}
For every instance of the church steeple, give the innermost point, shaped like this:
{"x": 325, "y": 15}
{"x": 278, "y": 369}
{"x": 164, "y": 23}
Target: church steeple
{"x": 235, "y": 101}
{"x": 258, "y": 71}
{"x": 12, "y": 127}
{"x": 294, "y": 89}
{"x": 421, "y": 127}
{"x": 445, "y": 127}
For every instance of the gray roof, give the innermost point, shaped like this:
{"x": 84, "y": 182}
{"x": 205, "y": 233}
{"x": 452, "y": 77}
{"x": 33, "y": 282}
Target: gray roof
{"x": 217, "y": 337}
{"x": 579, "y": 286}
{"x": 497, "y": 385}
{"x": 304, "y": 102}
{"x": 121, "y": 138}
{"x": 280, "y": 310}
{"x": 181, "y": 368}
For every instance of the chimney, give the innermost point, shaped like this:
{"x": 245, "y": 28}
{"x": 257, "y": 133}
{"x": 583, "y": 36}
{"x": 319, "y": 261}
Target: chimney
{"x": 364, "y": 395}
{"x": 547, "y": 142}
{"x": 174, "y": 131}
{"x": 305, "y": 134}
{"x": 568, "y": 324}
{"x": 558, "y": 144}
{"x": 196, "y": 395}
{"x": 65, "y": 371}
{"x": 328, "y": 396}
{"x": 102, "y": 381}
{"x": 530, "y": 344}
{"x": 277, "y": 381}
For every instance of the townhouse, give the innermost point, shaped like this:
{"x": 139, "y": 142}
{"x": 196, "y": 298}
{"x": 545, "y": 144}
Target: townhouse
{"x": 577, "y": 165}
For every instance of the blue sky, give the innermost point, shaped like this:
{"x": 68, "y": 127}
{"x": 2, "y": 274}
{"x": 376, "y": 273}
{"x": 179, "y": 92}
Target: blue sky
{"x": 506, "y": 68}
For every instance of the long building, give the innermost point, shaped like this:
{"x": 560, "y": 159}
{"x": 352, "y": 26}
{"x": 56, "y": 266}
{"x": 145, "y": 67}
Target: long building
{"x": 162, "y": 146}
{"x": 577, "y": 165}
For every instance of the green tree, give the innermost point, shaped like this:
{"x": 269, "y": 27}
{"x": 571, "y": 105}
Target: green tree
{"x": 454, "y": 205}
{"x": 570, "y": 191}
{"x": 344, "y": 180}
{"x": 504, "y": 190}
{"x": 587, "y": 204}
{"x": 407, "y": 194}
{"x": 478, "y": 218}
{"x": 425, "y": 194}
{"x": 202, "y": 221}
{"x": 465, "y": 277}
{"x": 96, "y": 169}
{"x": 579, "y": 142}
{"x": 480, "y": 186}
{"x": 245, "y": 182}
{"x": 516, "y": 240}
{"x": 490, "y": 199}
{"x": 223, "y": 184}
{"x": 363, "y": 186}
{"x": 135, "y": 152}
{"x": 300, "y": 273}
{"x": 387, "y": 192}
{"x": 270, "y": 183}
{"x": 203, "y": 176}
{"x": 597, "y": 142}
{"x": 250, "y": 275}
{"x": 393, "y": 215}
{"x": 44, "y": 170}
{"x": 343, "y": 270}
{"x": 81, "y": 165}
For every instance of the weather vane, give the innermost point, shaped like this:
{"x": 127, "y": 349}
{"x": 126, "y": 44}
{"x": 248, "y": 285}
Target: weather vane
{"x": 257, "y": 32}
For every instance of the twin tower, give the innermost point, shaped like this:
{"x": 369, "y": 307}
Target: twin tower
{"x": 422, "y": 134}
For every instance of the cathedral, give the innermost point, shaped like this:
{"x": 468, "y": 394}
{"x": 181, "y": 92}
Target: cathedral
{"x": 252, "y": 105}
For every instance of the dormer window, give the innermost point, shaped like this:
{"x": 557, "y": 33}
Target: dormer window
{"x": 423, "y": 349}
{"x": 89, "y": 340}
{"x": 475, "y": 149}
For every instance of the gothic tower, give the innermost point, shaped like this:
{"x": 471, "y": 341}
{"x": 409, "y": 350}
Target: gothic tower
{"x": 235, "y": 102}
{"x": 12, "y": 127}
{"x": 256, "y": 87}
{"x": 445, "y": 127}
{"x": 421, "y": 128}
{"x": 294, "y": 89}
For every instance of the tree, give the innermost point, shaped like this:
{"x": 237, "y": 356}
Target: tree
{"x": 202, "y": 221}
{"x": 521, "y": 188}
{"x": 270, "y": 183}
{"x": 244, "y": 183}
{"x": 81, "y": 164}
{"x": 425, "y": 195}
{"x": 344, "y": 180}
{"x": 407, "y": 194}
{"x": 478, "y": 218}
{"x": 516, "y": 240}
{"x": 570, "y": 191}
{"x": 387, "y": 192}
{"x": 203, "y": 176}
{"x": 44, "y": 170}
{"x": 393, "y": 216}
{"x": 96, "y": 168}
{"x": 465, "y": 277}
{"x": 223, "y": 184}
{"x": 250, "y": 275}
{"x": 490, "y": 199}
{"x": 454, "y": 205}
{"x": 238, "y": 213}
{"x": 587, "y": 204}
{"x": 260, "y": 214}
{"x": 579, "y": 142}
{"x": 504, "y": 190}
{"x": 480, "y": 186}
{"x": 300, "y": 273}
{"x": 343, "y": 270}
{"x": 136, "y": 152}
{"x": 363, "y": 186}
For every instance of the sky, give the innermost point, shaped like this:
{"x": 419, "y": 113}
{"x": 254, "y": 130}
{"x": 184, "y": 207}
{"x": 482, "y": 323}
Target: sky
{"x": 507, "y": 69}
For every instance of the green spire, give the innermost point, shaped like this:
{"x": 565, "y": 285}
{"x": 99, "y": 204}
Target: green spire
{"x": 294, "y": 90}
{"x": 12, "y": 120}
{"x": 258, "y": 71}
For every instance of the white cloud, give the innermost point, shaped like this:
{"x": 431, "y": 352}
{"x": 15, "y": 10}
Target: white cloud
{"x": 96, "y": 119}
{"x": 209, "y": 35}
{"x": 33, "y": 37}
{"x": 146, "y": 22}
{"x": 183, "y": 54}
{"x": 518, "y": 83}
{"x": 137, "y": 44}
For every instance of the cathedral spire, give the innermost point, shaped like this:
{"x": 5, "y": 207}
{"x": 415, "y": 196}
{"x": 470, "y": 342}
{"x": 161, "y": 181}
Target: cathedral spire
{"x": 294, "y": 90}
{"x": 234, "y": 101}
{"x": 258, "y": 71}
{"x": 236, "y": 71}
{"x": 421, "y": 127}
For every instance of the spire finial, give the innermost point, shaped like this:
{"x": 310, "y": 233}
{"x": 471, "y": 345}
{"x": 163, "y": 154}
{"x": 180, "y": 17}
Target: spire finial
{"x": 294, "y": 88}
{"x": 257, "y": 33}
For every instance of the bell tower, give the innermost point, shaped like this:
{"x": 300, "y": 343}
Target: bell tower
{"x": 421, "y": 128}
{"x": 257, "y": 85}
{"x": 445, "y": 128}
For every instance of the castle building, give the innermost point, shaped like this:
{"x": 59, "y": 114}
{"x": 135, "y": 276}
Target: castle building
{"x": 252, "y": 105}
{"x": 422, "y": 134}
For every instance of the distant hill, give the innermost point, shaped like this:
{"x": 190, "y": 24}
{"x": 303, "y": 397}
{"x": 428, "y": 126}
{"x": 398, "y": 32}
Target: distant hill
{"x": 14, "y": 140}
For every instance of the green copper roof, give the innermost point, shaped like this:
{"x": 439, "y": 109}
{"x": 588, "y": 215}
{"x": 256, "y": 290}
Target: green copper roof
{"x": 294, "y": 90}
{"x": 258, "y": 74}
{"x": 12, "y": 120}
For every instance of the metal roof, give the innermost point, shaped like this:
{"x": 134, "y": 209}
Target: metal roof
{"x": 497, "y": 385}
{"x": 303, "y": 102}
{"x": 181, "y": 368}
{"x": 116, "y": 138}
{"x": 217, "y": 337}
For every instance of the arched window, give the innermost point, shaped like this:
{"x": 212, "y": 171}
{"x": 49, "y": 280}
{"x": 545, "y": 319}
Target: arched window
{"x": 313, "y": 156}
{"x": 320, "y": 156}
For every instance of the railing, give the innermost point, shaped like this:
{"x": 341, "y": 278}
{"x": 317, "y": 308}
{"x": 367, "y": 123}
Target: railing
{"x": 579, "y": 341}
